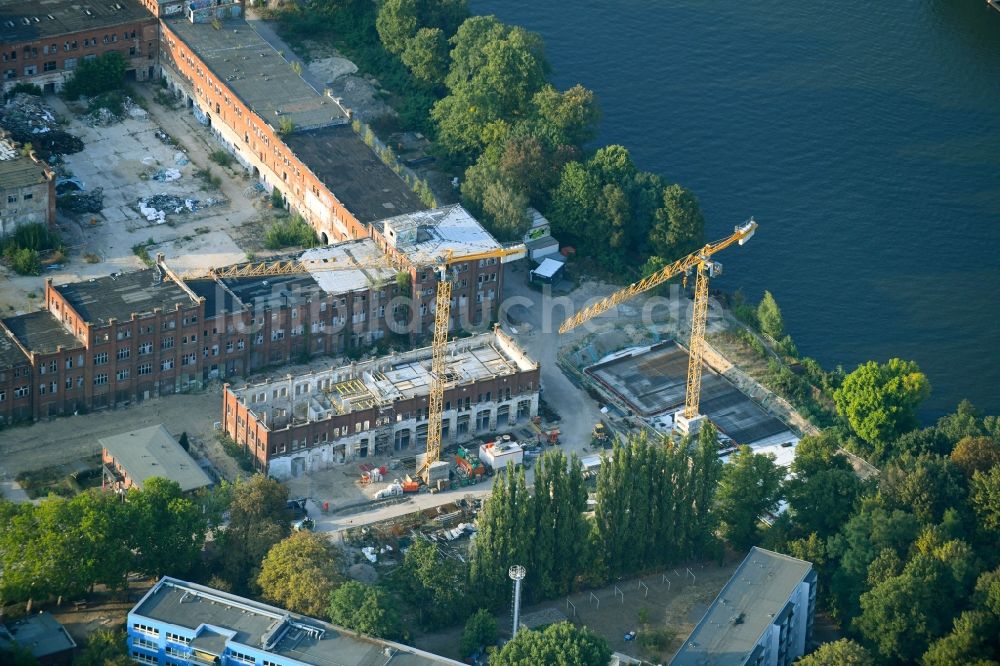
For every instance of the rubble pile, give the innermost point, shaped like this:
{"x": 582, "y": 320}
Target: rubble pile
{"x": 157, "y": 207}
{"x": 103, "y": 115}
{"x": 81, "y": 202}
{"x": 29, "y": 120}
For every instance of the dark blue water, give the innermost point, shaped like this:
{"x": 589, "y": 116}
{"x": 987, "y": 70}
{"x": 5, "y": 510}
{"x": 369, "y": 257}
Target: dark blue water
{"x": 865, "y": 138}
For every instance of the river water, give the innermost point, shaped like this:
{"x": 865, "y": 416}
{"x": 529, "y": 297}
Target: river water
{"x": 863, "y": 136}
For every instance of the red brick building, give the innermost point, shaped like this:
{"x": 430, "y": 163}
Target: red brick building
{"x": 43, "y": 42}
{"x": 306, "y": 422}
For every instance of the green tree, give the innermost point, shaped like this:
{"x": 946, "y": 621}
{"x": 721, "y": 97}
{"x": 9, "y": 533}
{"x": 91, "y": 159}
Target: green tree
{"x": 93, "y": 77}
{"x": 928, "y": 485}
{"x": 823, "y": 488}
{"x": 568, "y": 118}
{"x": 679, "y": 226}
{"x": 750, "y": 487}
{"x": 257, "y": 520}
{"x": 560, "y": 643}
{"x": 973, "y": 640}
{"x": 976, "y": 454}
{"x": 505, "y": 211}
{"x": 985, "y": 499}
{"x": 480, "y": 631}
{"x": 504, "y": 538}
{"x": 300, "y": 572}
{"x": 843, "y": 652}
{"x": 880, "y": 401}
{"x": 426, "y": 55}
{"x": 397, "y": 22}
{"x": 434, "y": 586}
{"x": 104, "y": 647}
{"x": 168, "y": 530}
{"x": 17, "y": 655}
{"x": 367, "y": 610}
{"x": 769, "y": 316}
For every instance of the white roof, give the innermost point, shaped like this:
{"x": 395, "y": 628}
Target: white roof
{"x": 548, "y": 268}
{"x": 425, "y": 236}
{"x": 357, "y": 253}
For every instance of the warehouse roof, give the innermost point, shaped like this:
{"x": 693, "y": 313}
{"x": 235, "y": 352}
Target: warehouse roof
{"x": 257, "y": 74}
{"x": 120, "y": 295}
{"x": 40, "y": 634}
{"x": 748, "y": 604}
{"x": 17, "y": 170}
{"x": 215, "y": 620}
{"x": 152, "y": 451}
{"x": 353, "y": 172}
{"x": 41, "y": 332}
{"x": 425, "y": 236}
{"x": 29, "y": 20}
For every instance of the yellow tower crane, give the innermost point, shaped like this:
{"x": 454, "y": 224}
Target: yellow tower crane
{"x": 439, "y": 347}
{"x": 701, "y": 262}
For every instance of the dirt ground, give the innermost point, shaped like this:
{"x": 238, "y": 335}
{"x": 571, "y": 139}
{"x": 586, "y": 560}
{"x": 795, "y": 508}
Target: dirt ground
{"x": 101, "y": 611}
{"x": 674, "y": 602}
{"x": 72, "y": 438}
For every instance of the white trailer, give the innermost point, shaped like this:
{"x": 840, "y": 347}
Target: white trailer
{"x": 497, "y": 455}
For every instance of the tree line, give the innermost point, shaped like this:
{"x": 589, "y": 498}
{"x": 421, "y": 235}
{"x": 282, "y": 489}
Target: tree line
{"x": 479, "y": 88}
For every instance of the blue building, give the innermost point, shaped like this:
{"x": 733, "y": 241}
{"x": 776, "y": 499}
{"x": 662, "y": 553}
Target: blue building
{"x": 179, "y": 623}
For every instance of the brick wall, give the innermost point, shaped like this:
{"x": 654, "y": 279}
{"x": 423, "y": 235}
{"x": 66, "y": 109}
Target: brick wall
{"x": 48, "y": 62}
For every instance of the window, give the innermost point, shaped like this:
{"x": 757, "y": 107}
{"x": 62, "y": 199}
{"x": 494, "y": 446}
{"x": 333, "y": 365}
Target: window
{"x": 3, "y": 395}
{"x": 144, "y": 658}
{"x": 9, "y": 74}
{"x": 28, "y": 196}
{"x": 145, "y": 348}
{"x": 122, "y": 374}
{"x": 30, "y": 70}
{"x": 50, "y": 66}
{"x": 42, "y": 389}
{"x": 69, "y": 383}
{"x": 124, "y": 333}
{"x": 124, "y": 353}
{"x": 101, "y": 379}
{"x": 177, "y": 638}
{"x": 21, "y": 392}
{"x": 54, "y": 366}
{"x": 69, "y": 63}
{"x": 138, "y": 641}
{"x": 11, "y": 198}
{"x": 145, "y": 368}
{"x": 229, "y": 346}
{"x": 189, "y": 359}
{"x": 69, "y": 363}
{"x": 167, "y": 364}
{"x": 100, "y": 358}
{"x": 167, "y": 343}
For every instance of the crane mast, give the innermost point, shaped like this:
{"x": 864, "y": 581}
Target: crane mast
{"x": 439, "y": 350}
{"x": 689, "y": 420}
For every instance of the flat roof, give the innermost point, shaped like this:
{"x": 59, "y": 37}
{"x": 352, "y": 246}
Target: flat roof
{"x": 10, "y": 354}
{"x": 652, "y": 380}
{"x": 120, "y": 295}
{"x": 353, "y": 172}
{"x": 425, "y": 236}
{"x": 256, "y": 73}
{"x": 245, "y": 622}
{"x": 548, "y": 268}
{"x": 401, "y": 375}
{"x": 41, "y": 332}
{"x": 41, "y": 634}
{"x": 17, "y": 170}
{"x": 748, "y": 604}
{"x": 152, "y": 451}
{"x": 362, "y": 254}
{"x": 40, "y": 19}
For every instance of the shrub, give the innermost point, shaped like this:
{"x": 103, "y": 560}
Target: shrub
{"x": 26, "y": 88}
{"x": 291, "y": 232}
{"x": 277, "y": 201}
{"x": 286, "y": 125}
{"x": 113, "y": 101}
{"x": 141, "y": 250}
{"x": 221, "y": 157}
{"x": 25, "y": 261}
{"x": 93, "y": 77}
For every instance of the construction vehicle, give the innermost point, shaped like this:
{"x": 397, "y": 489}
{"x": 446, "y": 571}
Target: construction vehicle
{"x": 442, "y": 319}
{"x": 468, "y": 464}
{"x": 689, "y": 420}
{"x": 599, "y": 437}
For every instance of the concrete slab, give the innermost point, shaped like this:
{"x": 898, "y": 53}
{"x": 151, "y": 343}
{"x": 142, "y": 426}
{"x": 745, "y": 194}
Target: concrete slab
{"x": 653, "y": 380}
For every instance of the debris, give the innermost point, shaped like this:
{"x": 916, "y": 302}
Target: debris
{"x": 149, "y": 160}
{"x": 81, "y": 202}
{"x": 71, "y": 184}
{"x": 369, "y": 552}
{"x": 157, "y": 207}
{"x": 180, "y": 159}
{"x": 167, "y": 175}
{"x": 30, "y": 121}
{"x": 164, "y": 137}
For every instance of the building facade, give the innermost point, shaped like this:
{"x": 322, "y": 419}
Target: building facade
{"x": 179, "y": 623}
{"x": 27, "y": 188}
{"x": 762, "y": 617}
{"x": 129, "y": 337}
{"x": 308, "y": 422}
{"x": 43, "y": 42}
